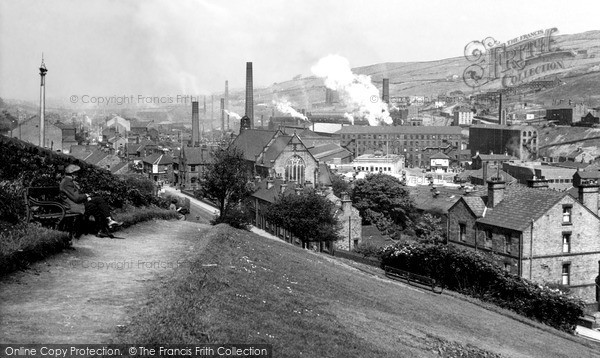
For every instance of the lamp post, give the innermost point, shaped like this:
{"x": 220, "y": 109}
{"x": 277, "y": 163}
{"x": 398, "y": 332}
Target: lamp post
{"x": 43, "y": 71}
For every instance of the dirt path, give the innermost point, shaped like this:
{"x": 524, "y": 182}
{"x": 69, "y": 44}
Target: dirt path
{"x": 85, "y": 295}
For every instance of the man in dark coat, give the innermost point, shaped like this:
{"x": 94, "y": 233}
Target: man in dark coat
{"x": 86, "y": 204}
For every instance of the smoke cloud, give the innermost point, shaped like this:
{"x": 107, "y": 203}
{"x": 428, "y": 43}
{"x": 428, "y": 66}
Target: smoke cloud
{"x": 356, "y": 90}
{"x": 232, "y": 114}
{"x": 284, "y": 106}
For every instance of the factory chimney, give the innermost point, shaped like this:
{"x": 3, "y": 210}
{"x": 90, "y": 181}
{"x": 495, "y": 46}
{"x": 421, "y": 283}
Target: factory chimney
{"x": 43, "y": 71}
{"x": 195, "y": 125}
{"x": 249, "y": 94}
{"x": 227, "y": 101}
{"x": 204, "y": 107}
{"x": 385, "y": 97}
{"x": 501, "y": 118}
{"x": 223, "y": 115}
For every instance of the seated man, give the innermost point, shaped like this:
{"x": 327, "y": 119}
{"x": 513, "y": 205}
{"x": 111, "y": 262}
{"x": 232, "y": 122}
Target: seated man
{"x": 86, "y": 204}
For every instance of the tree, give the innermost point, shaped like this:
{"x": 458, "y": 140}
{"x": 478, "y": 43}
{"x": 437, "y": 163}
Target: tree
{"x": 7, "y": 121}
{"x": 225, "y": 181}
{"x": 339, "y": 186}
{"x": 429, "y": 230}
{"x": 383, "y": 201}
{"x": 308, "y": 216}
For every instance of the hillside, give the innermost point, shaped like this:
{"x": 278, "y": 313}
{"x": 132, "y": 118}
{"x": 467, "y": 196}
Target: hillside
{"x": 580, "y": 78}
{"x": 244, "y": 288}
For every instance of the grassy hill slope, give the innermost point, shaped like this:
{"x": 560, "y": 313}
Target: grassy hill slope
{"x": 243, "y": 288}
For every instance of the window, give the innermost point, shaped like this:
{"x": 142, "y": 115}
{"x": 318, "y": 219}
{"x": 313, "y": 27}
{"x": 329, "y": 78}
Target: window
{"x": 488, "y": 238}
{"x": 566, "y": 240}
{"x": 566, "y": 218}
{"x": 294, "y": 169}
{"x": 566, "y": 274}
{"x": 507, "y": 243}
{"x": 192, "y": 168}
{"x": 462, "y": 232}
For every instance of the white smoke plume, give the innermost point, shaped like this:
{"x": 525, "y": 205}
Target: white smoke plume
{"x": 349, "y": 117}
{"x": 284, "y": 106}
{"x": 232, "y": 114}
{"x": 357, "y": 90}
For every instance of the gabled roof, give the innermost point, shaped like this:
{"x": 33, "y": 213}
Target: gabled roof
{"x": 439, "y": 155}
{"x": 271, "y": 194}
{"x": 158, "y": 159}
{"x": 475, "y": 204}
{"x": 252, "y": 141}
{"x": 521, "y": 205}
{"x": 325, "y": 175}
{"x": 274, "y": 150}
{"x": 96, "y": 157}
{"x": 117, "y": 167}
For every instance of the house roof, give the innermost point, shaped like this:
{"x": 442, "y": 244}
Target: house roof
{"x": 252, "y": 141}
{"x": 96, "y": 157}
{"x": 439, "y": 155}
{"x": 519, "y": 206}
{"x": 324, "y": 174}
{"x": 476, "y": 204}
{"x": 158, "y": 159}
{"x": 478, "y": 173}
{"x": 572, "y": 165}
{"x": 327, "y": 152}
{"x": 424, "y": 199}
{"x": 117, "y": 167}
{"x": 194, "y": 155}
{"x": 271, "y": 194}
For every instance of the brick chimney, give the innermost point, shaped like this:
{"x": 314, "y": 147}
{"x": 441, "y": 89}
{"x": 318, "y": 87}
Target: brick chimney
{"x": 195, "y": 124}
{"x": 269, "y": 183}
{"x": 249, "y": 94}
{"x": 537, "y": 183}
{"x": 346, "y": 203}
{"x": 385, "y": 97}
{"x": 587, "y": 190}
{"x": 496, "y": 188}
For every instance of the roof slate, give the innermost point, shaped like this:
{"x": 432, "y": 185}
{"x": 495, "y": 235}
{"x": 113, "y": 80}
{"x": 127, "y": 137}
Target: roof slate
{"x": 401, "y": 129}
{"x": 519, "y": 206}
{"x": 252, "y": 141}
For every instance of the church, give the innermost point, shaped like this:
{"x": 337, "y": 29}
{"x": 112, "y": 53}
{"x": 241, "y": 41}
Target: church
{"x": 276, "y": 154}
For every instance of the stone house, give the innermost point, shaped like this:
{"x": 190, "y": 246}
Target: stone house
{"x": 542, "y": 235}
{"x": 268, "y": 190}
{"x": 158, "y": 167}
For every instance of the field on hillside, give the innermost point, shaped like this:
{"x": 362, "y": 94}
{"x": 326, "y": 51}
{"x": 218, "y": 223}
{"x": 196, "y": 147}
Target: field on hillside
{"x": 561, "y": 141}
{"x": 244, "y": 288}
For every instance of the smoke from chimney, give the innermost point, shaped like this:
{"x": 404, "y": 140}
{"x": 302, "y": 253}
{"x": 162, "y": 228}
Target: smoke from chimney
{"x": 195, "y": 125}
{"x": 284, "y": 106}
{"x": 357, "y": 90}
{"x": 249, "y": 94}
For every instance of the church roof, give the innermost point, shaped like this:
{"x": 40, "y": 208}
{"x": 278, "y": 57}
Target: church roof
{"x": 251, "y": 142}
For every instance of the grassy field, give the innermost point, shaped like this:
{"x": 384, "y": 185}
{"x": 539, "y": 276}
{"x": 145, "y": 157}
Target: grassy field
{"x": 243, "y": 288}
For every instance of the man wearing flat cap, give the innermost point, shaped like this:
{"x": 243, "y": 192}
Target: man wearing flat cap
{"x": 85, "y": 203}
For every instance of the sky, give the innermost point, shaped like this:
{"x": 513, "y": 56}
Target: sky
{"x": 173, "y": 48}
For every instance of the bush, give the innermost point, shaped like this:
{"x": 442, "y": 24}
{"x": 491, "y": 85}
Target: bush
{"x": 12, "y": 201}
{"x": 473, "y": 274}
{"x": 236, "y": 217}
{"x": 368, "y": 249}
{"x": 22, "y": 244}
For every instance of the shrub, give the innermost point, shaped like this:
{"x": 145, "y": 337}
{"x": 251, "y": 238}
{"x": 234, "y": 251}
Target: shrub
{"x": 368, "y": 249}
{"x": 12, "y": 202}
{"x": 237, "y": 217}
{"x": 474, "y": 274}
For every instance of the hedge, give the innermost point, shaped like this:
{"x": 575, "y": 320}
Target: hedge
{"x": 473, "y": 274}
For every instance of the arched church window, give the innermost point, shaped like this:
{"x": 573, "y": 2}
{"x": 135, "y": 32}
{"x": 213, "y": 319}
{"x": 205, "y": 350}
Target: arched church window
{"x": 294, "y": 169}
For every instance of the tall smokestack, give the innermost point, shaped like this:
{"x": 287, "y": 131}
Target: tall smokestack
{"x": 204, "y": 107}
{"x": 501, "y": 120}
{"x": 223, "y": 115}
{"x": 195, "y": 125}
{"x": 385, "y": 97}
{"x": 249, "y": 94}
{"x": 43, "y": 71}
{"x": 227, "y": 101}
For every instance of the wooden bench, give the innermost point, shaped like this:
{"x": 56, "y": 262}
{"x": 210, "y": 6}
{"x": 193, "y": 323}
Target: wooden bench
{"x": 412, "y": 278}
{"x": 45, "y": 205}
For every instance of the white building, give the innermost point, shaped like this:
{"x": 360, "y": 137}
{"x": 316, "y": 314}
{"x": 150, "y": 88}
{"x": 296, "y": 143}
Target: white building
{"x": 379, "y": 163}
{"x": 439, "y": 162}
{"x": 463, "y": 118}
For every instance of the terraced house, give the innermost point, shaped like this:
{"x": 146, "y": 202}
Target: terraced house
{"x": 539, "y": 234}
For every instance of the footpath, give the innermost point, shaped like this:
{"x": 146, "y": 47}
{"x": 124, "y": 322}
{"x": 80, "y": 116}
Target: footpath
{"x": 88, "y": 294}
